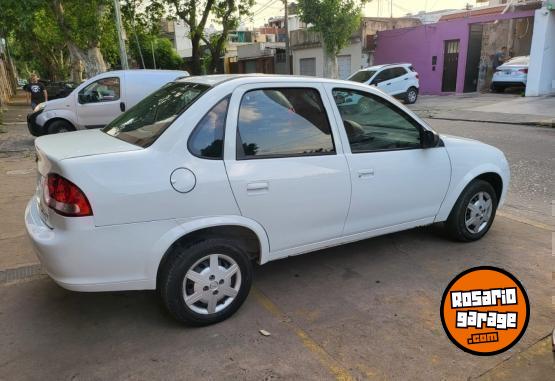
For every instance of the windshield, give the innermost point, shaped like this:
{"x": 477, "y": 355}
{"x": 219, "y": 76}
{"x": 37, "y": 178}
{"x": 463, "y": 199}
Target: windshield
{"x": 362, "y": 76}
{"x": 149, "y": 118}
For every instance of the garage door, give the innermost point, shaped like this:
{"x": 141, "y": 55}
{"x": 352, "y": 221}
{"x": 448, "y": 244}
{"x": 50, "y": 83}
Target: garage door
{"x": 344, "y": 66}
{"x": 308, "y": 66}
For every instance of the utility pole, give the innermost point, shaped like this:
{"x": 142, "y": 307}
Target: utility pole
{"x": 287, "y": 49}
{"x": 122, "y": 51}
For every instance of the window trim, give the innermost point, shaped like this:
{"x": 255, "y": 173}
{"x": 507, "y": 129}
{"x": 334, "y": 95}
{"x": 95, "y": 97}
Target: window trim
{"x": 100, "y": 79}
{"x": 393, "y": 106}
{"x": 239, "y": 141}
{"x": 197, "y": 126}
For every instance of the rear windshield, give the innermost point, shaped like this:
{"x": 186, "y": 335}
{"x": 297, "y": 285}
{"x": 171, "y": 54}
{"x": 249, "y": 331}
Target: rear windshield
{"x": 362, "y": 76}
{"x": 149, "y": 118}
{"x": 523, "y": 60}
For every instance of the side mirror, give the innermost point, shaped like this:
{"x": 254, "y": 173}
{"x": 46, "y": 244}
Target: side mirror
{"x": 428, "y": 139}
{"x": 374, "y": 82}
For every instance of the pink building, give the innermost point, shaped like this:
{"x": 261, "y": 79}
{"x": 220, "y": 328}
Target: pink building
{"x": 454, "y": 54}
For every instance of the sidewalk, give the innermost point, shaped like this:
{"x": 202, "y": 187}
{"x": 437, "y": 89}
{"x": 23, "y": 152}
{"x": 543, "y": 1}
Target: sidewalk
{"x": 18, "y": 177}
{"x": 488, "y": 108}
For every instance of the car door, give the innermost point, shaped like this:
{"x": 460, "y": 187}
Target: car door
{"x": 399, "y": 83}
{"x": 394, "y": 180}
{"x": 98, "y": 103}
{"x": 384, "y": 80}
{"x": 285, "y": 163}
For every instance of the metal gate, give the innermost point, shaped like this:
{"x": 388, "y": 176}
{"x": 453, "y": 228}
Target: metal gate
{"x": 450, "y": 64}
{"x": 473, "y": 58}
{"x": 308, "y": 66}
{"x": 344, "y": 66}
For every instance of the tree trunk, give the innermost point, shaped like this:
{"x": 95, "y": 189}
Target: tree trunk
{"x": 330, "y": 65}
{"x": 90, "y": 61}
{"x": 196, "y": 66}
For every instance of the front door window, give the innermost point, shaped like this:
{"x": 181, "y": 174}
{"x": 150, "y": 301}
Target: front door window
{"x": 103, "y": 90}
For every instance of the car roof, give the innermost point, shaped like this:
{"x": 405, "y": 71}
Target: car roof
{"x": 240, "y": 79}
{"x": 379, "y": 67}
{"x": 143, "y": 72}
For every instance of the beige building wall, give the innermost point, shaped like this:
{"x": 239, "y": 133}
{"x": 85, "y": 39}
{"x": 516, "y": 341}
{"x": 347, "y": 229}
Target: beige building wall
{"x": 354, "y": 50}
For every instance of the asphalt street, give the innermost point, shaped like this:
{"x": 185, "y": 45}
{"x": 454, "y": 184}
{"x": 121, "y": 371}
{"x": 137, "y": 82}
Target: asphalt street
{"x": 368, "y": 310}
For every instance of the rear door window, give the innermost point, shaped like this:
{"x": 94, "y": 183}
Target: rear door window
{"x": 283, "y": 122}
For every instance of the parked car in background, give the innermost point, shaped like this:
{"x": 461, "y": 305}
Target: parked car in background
{"x": 97, "y": 101}
{"x": 185, "y": 190}
{"x": 399, "y": 80}
{"x": 58, "y": 89}
{"x": 512, "y": 73}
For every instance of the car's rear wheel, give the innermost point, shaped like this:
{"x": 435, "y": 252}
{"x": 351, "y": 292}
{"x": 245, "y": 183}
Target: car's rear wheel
{"x": 58, "y": 126}
{"x": 473, "y": 213}
{"x": 205, "y": 282}
{"x": 411, "y": 96}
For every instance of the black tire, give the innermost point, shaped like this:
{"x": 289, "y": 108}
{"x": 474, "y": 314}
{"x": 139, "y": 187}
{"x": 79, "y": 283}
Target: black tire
{"x": 58, "y": 126}
{"x": 456, "y": 223}
{"x": 173, "y": 273}
{"x": 409, "y": 98}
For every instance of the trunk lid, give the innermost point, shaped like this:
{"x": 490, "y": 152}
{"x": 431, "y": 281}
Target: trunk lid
{"x": 54, "y": 148}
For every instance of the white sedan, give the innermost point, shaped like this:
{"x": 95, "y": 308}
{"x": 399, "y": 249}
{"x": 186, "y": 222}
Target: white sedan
{"x": 513, "y": 73}
{"x": 185, "y": 190}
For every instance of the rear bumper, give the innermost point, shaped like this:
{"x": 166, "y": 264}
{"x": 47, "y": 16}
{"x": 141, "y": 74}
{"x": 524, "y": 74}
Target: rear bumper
{"x": 32, "y": 125}
{"x": 88, "y": 258}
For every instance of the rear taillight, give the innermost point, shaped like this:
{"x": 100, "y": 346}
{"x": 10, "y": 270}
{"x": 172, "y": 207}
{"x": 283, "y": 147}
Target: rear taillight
{"x": 417, "y": 77}
{"x": 525, "y": 71}
{"x": 66, "y": 198}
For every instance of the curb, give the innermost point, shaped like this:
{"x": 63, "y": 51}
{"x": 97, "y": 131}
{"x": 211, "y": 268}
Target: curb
{"x": 541, "y": 123}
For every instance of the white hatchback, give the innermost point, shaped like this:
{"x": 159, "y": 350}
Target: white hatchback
{"x": 399, "y": 80}
{"x": 185, "y": 190}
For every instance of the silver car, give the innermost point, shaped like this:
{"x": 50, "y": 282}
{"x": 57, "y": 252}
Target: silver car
{"x": 512, "y": 73}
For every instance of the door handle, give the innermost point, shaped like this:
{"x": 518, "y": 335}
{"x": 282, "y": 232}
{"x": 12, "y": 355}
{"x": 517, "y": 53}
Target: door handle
{"x": 122, "y": 106}
{"x": 365, "y": 173}
{"x": 258, "y": 186}
{"x": 406, "y": 79}
{"x": 388, "y": 83}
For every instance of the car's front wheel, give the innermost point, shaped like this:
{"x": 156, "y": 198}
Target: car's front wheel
{"x": 58, "y": 126}
{"x": 411, "y": 96}
{"x": 473, "y": 213}
{"x": 205, "y": 282}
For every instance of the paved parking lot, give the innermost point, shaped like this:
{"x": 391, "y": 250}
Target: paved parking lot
{"x": 368, "y": 310}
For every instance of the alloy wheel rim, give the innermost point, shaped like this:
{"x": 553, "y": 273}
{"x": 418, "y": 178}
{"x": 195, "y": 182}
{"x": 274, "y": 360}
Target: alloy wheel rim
{"x": 478, "y": 212}
{"x": 211, "y": 284}
{"x": 412, "y": 95}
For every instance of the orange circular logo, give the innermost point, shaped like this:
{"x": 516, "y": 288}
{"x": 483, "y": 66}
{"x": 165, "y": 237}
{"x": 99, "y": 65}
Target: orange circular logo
{"x": 485, "y": 310}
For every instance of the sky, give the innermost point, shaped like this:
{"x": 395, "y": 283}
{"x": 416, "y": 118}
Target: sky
{"x": 265, "y": 9}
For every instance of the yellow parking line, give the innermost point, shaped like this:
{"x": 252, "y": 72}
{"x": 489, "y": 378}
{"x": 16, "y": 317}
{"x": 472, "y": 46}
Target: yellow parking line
{"x": 526, "y": 221}
{"x": 340, "y": 373}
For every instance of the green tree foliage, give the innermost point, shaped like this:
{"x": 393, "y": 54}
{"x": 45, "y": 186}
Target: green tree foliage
{"x": 164, "y": 53}
{"x": 34, "y": 39}
{"x": 195, "y": 14}
{"x": 143, "y": 36}
{"x": 335, "y": 20}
